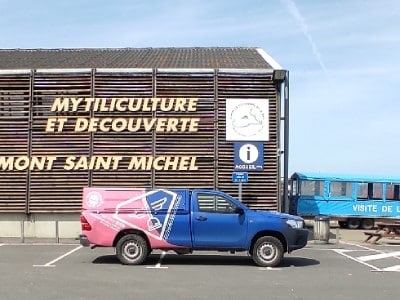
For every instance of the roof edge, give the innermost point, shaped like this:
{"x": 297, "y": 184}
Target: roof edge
{"x": 137, "y": 70}
{"x": 272, "y": 62}
{"x": 123, "y": 70}
{"x": 14, "y": 71}
{"x": 58, "y": 70}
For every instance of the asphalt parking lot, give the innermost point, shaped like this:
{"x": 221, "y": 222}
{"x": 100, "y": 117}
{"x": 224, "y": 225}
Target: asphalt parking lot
{"x": 339, "y": 270}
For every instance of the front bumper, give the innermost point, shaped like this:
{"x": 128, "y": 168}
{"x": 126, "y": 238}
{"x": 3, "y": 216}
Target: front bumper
{"x": 296, "y": 238}
{"x": 83, "y": 240}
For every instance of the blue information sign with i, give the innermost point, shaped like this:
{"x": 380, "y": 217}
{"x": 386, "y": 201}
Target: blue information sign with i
{"x": 249, "y": 156}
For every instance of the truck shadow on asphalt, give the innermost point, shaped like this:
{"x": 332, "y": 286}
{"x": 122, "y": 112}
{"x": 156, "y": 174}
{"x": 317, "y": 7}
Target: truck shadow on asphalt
{"x": 211, "y": 260}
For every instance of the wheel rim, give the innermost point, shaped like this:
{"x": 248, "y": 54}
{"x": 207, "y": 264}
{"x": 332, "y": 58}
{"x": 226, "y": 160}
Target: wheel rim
{"x": 266, "y": 252}
{"x": 367, "y": 224}
{"x": 132, "y": 250}
{"x": 353, "y": 223}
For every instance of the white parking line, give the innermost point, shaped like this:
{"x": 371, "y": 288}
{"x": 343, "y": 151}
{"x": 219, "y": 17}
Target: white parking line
{"x": 269, "y": 269}
{"x": 339, "y": 251}
{"x": 363, "y": 259}
{"x": 392, "y": 269}
{"x": 50, "y": 263}
{"x": 360, "y": 246}
{"x": 158, "y": 265}
{"x": 379, "y": 256}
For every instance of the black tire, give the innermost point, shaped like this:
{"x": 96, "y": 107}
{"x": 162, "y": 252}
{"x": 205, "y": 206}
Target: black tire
{"x": 132, "y": 249}
{"x": 367, "y": 224}
{"x": 353, "y": 223}
{"x": 183, "y": 251}
{"x": 342, "y": 224}
{"x": 268, "y": 251}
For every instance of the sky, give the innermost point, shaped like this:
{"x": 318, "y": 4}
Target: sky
{"x": 343, "y": 58}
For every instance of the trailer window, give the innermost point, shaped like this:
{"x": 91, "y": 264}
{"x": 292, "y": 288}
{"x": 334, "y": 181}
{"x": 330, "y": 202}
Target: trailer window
{"x": 369, "y": 190}
{"x": 392, "y": 191}
{"x": 341, "y": 189}
{"x": 312, "y": 188}
{"x": 293, "y": 188}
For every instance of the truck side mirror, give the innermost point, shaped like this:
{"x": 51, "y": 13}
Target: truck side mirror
{"x": 239, "y": 210}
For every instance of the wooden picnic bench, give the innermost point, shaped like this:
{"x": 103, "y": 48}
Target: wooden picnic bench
{"x": 384, "y": 230}
{"x": 371, "y": 235}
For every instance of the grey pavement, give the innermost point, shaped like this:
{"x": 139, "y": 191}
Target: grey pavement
{"x": 338, "y": 269}
{"x": 335, "y": 236}
{"x": 356, "y": 236}
{"x": 319, "y": 271}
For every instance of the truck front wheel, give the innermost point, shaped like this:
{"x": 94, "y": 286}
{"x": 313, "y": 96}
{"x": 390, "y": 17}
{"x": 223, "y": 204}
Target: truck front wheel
{"x": 268, "y": 251}
{"x": 132, "y": 249}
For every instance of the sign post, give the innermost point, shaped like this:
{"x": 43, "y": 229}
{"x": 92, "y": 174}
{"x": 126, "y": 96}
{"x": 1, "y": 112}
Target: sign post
{"x": 240, "y": 177}
{"x": 240, "y": 192}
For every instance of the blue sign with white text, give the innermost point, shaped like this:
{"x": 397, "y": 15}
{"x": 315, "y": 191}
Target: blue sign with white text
{"x": 249, "y": 156}
{"x": 240, "y": 177}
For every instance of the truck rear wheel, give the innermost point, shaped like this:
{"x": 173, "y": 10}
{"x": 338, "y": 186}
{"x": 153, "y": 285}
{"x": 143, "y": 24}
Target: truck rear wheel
{"x": 367, "y": 224}
{"x": 353, "y": 223}
{"x": 268, "y": 251}
{"x": 132, "y": 249}
{"x": 342, "y": 224}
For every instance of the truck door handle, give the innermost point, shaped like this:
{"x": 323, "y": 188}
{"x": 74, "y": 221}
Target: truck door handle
{"x": 201, "y": 218}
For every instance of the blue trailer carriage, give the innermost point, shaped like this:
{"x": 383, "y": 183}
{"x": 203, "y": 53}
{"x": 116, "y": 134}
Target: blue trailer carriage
{"x": 355, "y": 201}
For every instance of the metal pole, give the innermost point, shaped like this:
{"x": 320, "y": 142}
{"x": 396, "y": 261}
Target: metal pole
{"x": 22, "y": 231}
{"x": 57, "y": 233}
{"x": 29, "y": 140}
{"x": 240, "y": 191}
{"x": 286, "y": 143}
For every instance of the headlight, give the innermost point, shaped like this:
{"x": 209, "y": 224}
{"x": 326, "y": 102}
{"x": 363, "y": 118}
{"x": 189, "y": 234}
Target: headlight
{"x": 295, "y": 223}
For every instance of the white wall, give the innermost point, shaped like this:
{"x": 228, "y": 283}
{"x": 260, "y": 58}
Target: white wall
{"x": 53, "y": 226}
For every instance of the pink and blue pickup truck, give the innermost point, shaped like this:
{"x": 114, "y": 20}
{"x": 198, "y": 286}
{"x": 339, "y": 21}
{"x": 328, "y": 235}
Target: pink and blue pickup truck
{"x": 136, "y": 221}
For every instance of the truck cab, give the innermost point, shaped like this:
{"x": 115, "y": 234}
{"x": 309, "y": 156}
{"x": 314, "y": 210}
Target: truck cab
{"x": 136, "y": 221}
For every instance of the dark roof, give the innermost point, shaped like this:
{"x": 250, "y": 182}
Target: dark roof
{"x": 171, "y": 58}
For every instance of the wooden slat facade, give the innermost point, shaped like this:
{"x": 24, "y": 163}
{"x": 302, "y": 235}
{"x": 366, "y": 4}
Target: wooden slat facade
{"x": 15, "y": 95}
{"x": 261, "y": 192}
{"x": 25, "y": 106}
{"x": 137, "y": 85}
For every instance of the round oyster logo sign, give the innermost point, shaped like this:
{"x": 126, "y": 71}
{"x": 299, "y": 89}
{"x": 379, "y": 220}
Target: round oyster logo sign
{"x": 94, "y": 199}
{"x": 247, "y": 120}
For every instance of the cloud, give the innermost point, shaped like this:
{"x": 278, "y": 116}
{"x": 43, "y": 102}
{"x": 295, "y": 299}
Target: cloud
{"x": 292, "y": 8}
